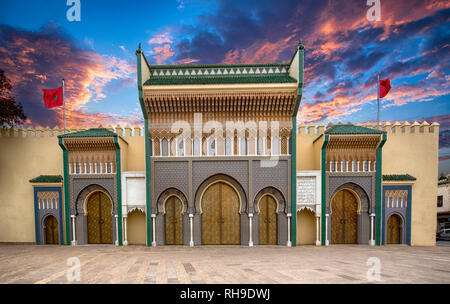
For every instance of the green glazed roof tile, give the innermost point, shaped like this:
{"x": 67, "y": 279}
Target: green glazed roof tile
{"x": 47, "y": 179}
{"x": 202, "y": 66}
{"x": 156, "y": 80}
{"x": 94, "y": 132}
{"x": 398, "y": 177}
{"x": 351, "y": 129}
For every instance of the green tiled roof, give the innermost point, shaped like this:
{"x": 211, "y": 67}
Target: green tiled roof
{"x": 351, "y": 129}
{"x": 398, "y": 177}
{"x": 201, "y": 66}
{"x": 94, "y": 132}
{"x": 156, "y": 80}
{"x": 47, "y": 179}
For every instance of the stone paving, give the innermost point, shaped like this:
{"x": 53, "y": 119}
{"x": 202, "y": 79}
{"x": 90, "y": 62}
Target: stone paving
{"x": 224, "y": 264}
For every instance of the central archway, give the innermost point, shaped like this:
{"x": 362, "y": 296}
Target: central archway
{"x": 344, "y": 218}
{"x": 99, "y": 218}
{"x": 220, "y": 205}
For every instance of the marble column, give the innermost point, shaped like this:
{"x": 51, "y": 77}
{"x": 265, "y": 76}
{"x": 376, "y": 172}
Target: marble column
{"x": 125, "y": 241}
{"x": 191, "y": 229}
{"x": 250, "y": 223}
{"x": 117, "y": 230}
{"x": 372, "y": 239}
{"x": 289, "y": 243}
{"x": 74, "y": 234}
{"x": 317, "y": 230}
{"x": 153, "y": 230}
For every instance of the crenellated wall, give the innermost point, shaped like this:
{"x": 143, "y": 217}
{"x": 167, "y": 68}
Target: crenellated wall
{"x": 28, "y": 153}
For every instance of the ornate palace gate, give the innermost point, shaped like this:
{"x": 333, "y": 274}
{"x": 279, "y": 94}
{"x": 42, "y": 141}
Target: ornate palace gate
{"x": 267, "y": 221}
{"x": 344, "y": 221}
{"x": 173, "y": 221}
{"x": 394, "y": 229}
{"x": 51, "y": 231}
{"x": 220, "y": 215}
{"x": 99, "y": 219}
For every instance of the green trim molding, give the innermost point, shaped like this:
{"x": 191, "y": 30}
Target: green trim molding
{"x": 119, "y": 190}
{"x": 66, "y": 191}
{"x": 324, "y": 189}
{"x": 378, "y": 200}
{"x": 301, "y": 49}
{"x": 140, "y": 55}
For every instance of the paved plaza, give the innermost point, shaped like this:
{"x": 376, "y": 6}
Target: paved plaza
{"x": 224, "y": 264}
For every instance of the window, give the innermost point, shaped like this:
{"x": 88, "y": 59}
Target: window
{"x": 260, "y": 146}
{"x": 243, "y": 146}
{"x": 333, "y": 166}
{"x": 365, "y": 166}
{"x": 354, "y": 166}
{"x": 344, "y": 166}
{"x": 228, "y": 146}
{"x": 87, "y": 168}
{"x": 108, "y": 167}
{"x": 275, "y": 145}
{"x": 164, "y": 147}
{"x": 77, "y": 168}
{"x": 440, "y": 201}
{"x": 212, "y": 147}
{"x": 197, "y": 145}
{"x": 180, "y": 147}
{"x": 98, "y": 168}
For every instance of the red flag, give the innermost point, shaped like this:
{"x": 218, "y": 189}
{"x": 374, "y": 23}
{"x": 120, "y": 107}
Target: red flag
{"x": 385, "y": 86}
{"x": 53, "y": 98}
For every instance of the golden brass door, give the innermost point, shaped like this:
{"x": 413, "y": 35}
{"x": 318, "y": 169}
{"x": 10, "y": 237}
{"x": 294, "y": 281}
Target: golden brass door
{"x": 174, "y": 221}
{"x": 51, "y": 230}
{"x": 99, "y": 218}
{"x": 267, "y": 221}
{"x": 344, "y": 219}
{"x": 220, "y": 217}
{"x": 393, "y": 229}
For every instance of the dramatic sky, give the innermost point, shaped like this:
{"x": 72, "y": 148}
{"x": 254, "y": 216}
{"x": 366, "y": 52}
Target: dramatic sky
{"x": 344, "y": 53}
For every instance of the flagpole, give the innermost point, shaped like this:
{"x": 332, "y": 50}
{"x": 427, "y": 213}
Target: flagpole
{"x": 64, "y": 105}
{"x": 378, "y": 102}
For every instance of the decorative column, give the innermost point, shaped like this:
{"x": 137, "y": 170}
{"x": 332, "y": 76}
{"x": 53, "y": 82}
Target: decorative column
{"x": 153, "y": 230}
{"x": 317, "y": 230}
{"x": 125, "y": 242}
{"x": 327, "y": 242}
{"x": 372, "y": 239}
{"x": 117, "y": 230}
{"x": 191, "y": 225}
{"x": 250, "y": 222}
{"x": 74, "y": 235}
{"x": 289, "y": 243}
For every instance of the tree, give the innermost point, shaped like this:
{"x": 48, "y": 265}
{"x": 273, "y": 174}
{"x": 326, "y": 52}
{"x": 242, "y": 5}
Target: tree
{"x": 11, "y": 113}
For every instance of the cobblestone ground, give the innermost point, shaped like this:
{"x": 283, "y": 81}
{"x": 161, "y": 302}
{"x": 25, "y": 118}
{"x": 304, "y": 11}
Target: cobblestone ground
{"x": 213, "y": 264}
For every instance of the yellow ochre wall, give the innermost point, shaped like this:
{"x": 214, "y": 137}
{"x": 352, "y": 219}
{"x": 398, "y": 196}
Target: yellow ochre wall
{"x": 26, "y": 154}
{"x": 416, "y": 152}
{"x": 21, "y": 159}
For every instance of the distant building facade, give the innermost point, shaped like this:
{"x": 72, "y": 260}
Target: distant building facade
{"x": 220, "y": 160}
{"x": 443, "y": 203}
